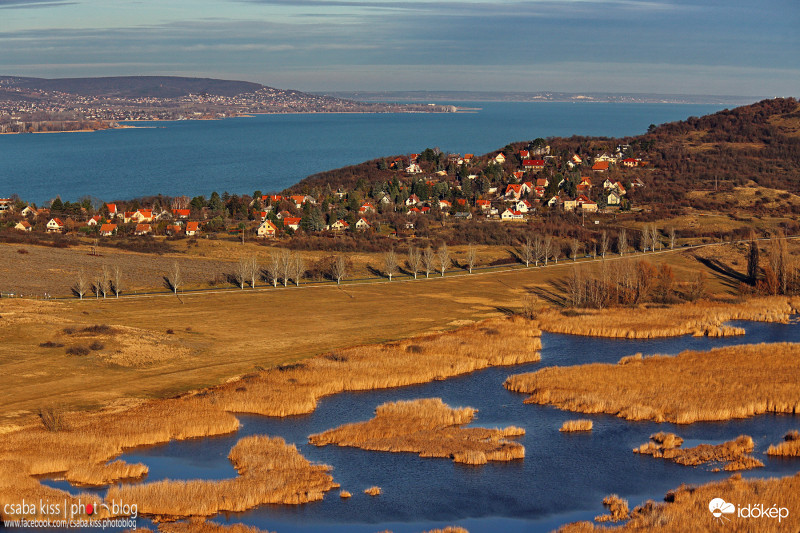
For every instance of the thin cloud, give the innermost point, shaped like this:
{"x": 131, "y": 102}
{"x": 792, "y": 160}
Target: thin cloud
{"x": 25, "y": 4}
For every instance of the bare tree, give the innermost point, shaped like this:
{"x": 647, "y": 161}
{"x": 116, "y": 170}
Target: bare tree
{"x": 254, "y": 270}
{"x": 174, "y": 277}
{"x": 752, "y": 259}
{"x": 655, "y": 238}
{"x": 557, "y": 251}
{"x": 242, "y": 272}
{"x": 298, "y": 268}
{"x": 104, "y": 280}
{"x": 622, "y": 242}
{"x": 576, "y": 286}
{"x": 644, "y": 239}
{"x": 443, "y": 258}
{"x": 538, "y": 249}
{"x": 274, "y": 268}
{"x": 117, "y": 280}
{"x": 574, "y": 248}
{"x": 778, "y": 259}
{"x": 338, "y": 268}
{"x": 672, "y": 237}
{"x": 390, "y": 264}
{"x": 414, "y": 260}
{"x": 428, "y": 258}
{"x": 527, "y": 251}
{"x": 547, "y": 248}
{"x": 472, "y": 256}
{"x": 603, "y": 244}
{"x": 285, "y": 265}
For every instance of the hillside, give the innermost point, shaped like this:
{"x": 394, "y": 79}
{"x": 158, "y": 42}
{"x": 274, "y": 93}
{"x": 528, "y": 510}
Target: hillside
{"x": 134, "y": 86}
{"x": 754, "y": 145}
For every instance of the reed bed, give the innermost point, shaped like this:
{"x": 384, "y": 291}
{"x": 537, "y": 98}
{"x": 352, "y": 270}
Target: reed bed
{"x": 373, "y": 491}
{"x": 695, "y": 318}
{"x": 430, "y": 428}
{"x": 721, "y": 384}
{"x": 104, "y": 474}
{"x": 199, "y": 525}
{"x": 576, "y": 425}
{"x": 345, "y": 494}
{"x": 270, "y": 471}
{"x": 732, "y": 455}
{"x": 617, "y": 509}
{"x": 686, "y": 508}
{"x": 295, "y": 389}
{"x": 790, "y": 447}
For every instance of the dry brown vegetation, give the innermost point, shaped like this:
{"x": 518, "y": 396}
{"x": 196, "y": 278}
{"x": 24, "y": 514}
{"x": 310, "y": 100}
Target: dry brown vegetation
{"x": 617, "y": 509}
{"x": 199, "y": 525}
{"x": 732, "y": 455}
{"x": 576, "y": 425}
{"x": 686, "y": 508}
{"x": 696, "y": 318}
{"x": 373, "y": 491}
{"x": 294, "y": 389}
{"x": 270, "y": 471}
{"x": 428, "y": 427}
{"x": 721, "y": 384}
{"x": 345, "y": 494}
{"x": 790, "y": 446}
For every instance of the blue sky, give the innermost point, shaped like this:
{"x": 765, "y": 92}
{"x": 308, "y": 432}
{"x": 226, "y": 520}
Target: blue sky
{"x": 666, "y": 46}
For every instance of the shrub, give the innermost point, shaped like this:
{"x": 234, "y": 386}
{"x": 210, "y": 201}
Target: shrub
{"x": 97, "y": 345}
{"x": 77, "y": 350}
{"x": 52, "y": 418}
{"x": 51, "y": 344}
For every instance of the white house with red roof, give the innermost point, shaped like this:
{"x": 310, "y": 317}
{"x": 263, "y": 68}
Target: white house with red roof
{"x": 513, "y": 192}
{"x": 55, "y": 225}
{"x": 412, "y": 200}
{"x": 291, "y": 222}
{"x": 366, "y": 208}
{"x": 511, "y": 214}
{"x": 362, "y": 224}
{"x": 340, "y": 225}
{"x": 484, "y": 205}
{"x": 444, "y": 205}
{"x": 192, "y": 229}
{"x": 267, "y": 229}
{"x": 181, "y": 214}
{"x": 95, "y": 220}
{"x": 533, "y": 164}
{"x": 500, "y": 158}
{"x": 523, "y": 206}
{"x": 108, "y": 229}
{"x": 23, "y": 226}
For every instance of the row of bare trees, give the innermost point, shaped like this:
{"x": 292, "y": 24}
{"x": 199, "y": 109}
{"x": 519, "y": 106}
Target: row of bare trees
{"x": 105, "y": 281}
{"x": 427, "y": 260}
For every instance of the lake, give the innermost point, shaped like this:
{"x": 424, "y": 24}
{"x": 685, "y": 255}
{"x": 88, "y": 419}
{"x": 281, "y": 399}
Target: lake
{"x": 563, "y": 477}
{"x": 272, "y": 152}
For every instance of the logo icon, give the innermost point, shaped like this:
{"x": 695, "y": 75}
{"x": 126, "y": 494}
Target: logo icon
{"x": 719, "y": 508}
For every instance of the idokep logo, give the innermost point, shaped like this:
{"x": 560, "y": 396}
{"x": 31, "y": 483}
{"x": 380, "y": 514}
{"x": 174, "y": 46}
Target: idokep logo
{"x": 719, "y": 508}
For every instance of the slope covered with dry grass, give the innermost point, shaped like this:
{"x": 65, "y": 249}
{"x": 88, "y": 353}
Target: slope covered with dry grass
{"x": 721, "y": 384}
{"x": 428, "y": 427}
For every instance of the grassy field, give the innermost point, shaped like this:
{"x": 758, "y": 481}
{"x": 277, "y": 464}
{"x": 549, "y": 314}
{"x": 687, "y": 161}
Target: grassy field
{"x": 164, "y": 345}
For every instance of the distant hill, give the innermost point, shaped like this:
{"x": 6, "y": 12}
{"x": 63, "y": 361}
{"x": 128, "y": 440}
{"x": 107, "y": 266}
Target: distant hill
{"x": 134, "y": 86}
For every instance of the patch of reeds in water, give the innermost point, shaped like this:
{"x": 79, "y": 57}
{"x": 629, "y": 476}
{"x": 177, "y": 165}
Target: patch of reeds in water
{"x": 270, "y": 471}
{"x": 732, "y": 455}
{"x": 695, "y": 318}
{"x": 373, "y": 491}
{"x": 199, "y": 525}
{"x": 295, "y": 389}
{"x": 617, "y": 509}
{"x": 430, "y": 428}
{"x": 576, "y": 425}
{"x": 686, "y": 509}
{"x": 790, "y": 447}
{"x": 721, "y": 384}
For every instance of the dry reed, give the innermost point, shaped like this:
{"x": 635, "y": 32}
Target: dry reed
{"x": 270, "y": 471}
{"x": 686, "y": 509}
{"x": 294, "y": 390}
{"x": 576, "y": 425}
{"x": 345, "y": 494}
{"x": 373, "y": 491}
{"x": 790, "y": 447}
{"x": 430, "y": 428}
{"x": 721, "y": 384}
{"x": 696, "y": 318}
{"x": 732, "y": 455}
{"x": 617, "y": 509}
{"x": 199, "y": 525}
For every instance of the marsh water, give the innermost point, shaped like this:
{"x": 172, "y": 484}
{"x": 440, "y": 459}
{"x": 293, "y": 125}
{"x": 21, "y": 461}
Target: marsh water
{"x": 563, "y": 477}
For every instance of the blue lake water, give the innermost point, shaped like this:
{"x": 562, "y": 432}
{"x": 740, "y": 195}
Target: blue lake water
{"x": 563, "y": 477}
{"x": 271, "y": 152}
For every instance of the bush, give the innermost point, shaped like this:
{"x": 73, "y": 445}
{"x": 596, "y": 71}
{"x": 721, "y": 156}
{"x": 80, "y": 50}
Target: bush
{"x": 77, "y": 350}
{"x": 51, "y": 344}
{"x": 53, "y": 419}
{"x": 97, "y": 345}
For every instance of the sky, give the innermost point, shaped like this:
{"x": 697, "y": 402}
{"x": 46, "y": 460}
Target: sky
{"x": 721, "y": 47}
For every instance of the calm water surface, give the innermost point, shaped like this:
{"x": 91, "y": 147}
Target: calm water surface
{"x": 563, "y": 477}
{"x": 271, "y": 152}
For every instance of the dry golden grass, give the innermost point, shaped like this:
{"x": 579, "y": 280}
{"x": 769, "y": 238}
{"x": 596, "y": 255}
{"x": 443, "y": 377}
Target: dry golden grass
{"x": 732, "y": 455}
{"x": 345, "y": 494}
{"x": 270, "y": 471}
{"x": 686, "y": 509}
{"x": 428, "y": 427}
{"x": 199, "y": 525}
{"x": 373, "y": 491}
{"x": 698, "y": 318}
{"x": 721, "y": 384}
{"x": 576, "y": 425}
{"x": 617, "y": 509}
{"x": 295, "y": 389}
{"x": 790, "y": 447}
{"x": 105, "y": 474}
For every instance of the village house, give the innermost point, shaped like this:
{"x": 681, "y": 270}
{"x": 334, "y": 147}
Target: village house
{"x": 291, "y": 223}
{"x": 173, "y": 229}
{"x": 362, "y": 224}
{"x": 55, "y": 225}
{"x": 484, "y": 205}
{"x": 413, "y": 211}
{"x": 533, "y": 164}
{"x": 518, "y": 174}
{"x": 366, "y": 208}
{"x": 511, "y": 214}
{"x": 524, "y": 154}
{"x": 523, "y": 206}
{"x": 6, "y": 204}
{"x": 267, "y": 229}
{"x": 340, "y": 225}
{"x": 107, "y": 230}
{"x": 181, "y": 214}
{"x": 513, "y": 192}
{"x": 143, "y": 229}
{"x": 413, "y": 168}
{"x": 23, "y": 226}
{"x": 29, "y": 211}
{"x": 463, "y": 215}
{"x": 95, "y": 220}
{"x": 613, "y": 198}
{"x": 412, "y": 200}
{"x": 112, "y": 210}
{"x": 192, "y": 229}
{"x": 569, "y": 204}
{"x": 499, "y": 158}
{"x": 589, "y": 206}
{"x": 600, "y": 166}
{"x": 445, "y": 205}
{"x": 630, "y": 162}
